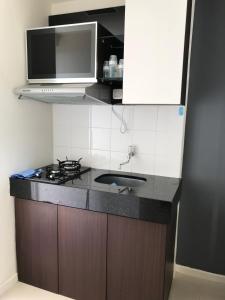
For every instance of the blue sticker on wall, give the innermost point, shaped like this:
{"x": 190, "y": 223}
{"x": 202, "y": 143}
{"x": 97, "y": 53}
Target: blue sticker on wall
{"x": 181, "y": 111}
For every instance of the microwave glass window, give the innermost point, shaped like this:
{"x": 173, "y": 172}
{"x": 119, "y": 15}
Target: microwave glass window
{"x": 62, "y": 52}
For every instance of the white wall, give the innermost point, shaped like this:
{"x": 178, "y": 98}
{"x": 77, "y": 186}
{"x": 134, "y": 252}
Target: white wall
{"x": 93, "y": 132}
{"x": 25, "y": 127}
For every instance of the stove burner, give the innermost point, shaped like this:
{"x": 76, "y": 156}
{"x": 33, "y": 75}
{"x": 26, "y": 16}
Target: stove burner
{"x": 53, "y": 174}
{"x": 70, "y": 165}
{"x": 65, "y": 170}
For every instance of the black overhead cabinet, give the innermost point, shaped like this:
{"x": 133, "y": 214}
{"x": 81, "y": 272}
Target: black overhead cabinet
{"x": 112, "y": 19}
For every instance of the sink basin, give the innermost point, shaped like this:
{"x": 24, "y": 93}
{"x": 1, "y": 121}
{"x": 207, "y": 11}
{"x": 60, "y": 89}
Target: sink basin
{"x": 120, "y": 180}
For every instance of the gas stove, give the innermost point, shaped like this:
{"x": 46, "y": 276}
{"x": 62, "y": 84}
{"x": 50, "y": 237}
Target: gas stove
{"x": 60, "y": 173}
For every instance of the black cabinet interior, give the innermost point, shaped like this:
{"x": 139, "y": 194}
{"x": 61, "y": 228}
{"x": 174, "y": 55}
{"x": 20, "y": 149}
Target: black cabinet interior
{"x": 113, "y": 20}
{"x": 201, "y": 234}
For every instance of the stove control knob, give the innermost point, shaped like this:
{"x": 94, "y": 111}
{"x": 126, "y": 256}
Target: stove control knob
{"x": 38, "y": 173}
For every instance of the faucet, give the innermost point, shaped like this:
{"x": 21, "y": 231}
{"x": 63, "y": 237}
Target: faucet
{"x": 131, "y": 153}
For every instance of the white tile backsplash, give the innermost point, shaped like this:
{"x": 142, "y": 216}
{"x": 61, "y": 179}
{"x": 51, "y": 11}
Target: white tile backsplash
{"x": 167, "y": 144}
{"x": 93, "y": 132}
{"x": 145, "y": 141}
{"x": 61, "y": 153}
{"x": 169, "y": 120}
{"x": 80, "y": 115}
{"x": 63, "y": 113}
{"x": 144, "y": 164}
{"x": 100, "y": 139}
{"x": 80, "y": 137}
{"x": 122, "y": 111}
{"x": 120, "y": 142}
{"x": 62, "y": 134}
{"x": 164, "y": 166}
{"x": 101, "y": 116}
{"x": 145, "y": 117}
{"x": 100, "y": 159}
{"x": 85, "y": 154}
{"x": 116, "y": 159}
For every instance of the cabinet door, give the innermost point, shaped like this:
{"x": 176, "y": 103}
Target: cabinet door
{"x": 82, "y": 254}
{"x": 154, "y": 51}
{"x": 135, "y": 260}
{"x": 36, "y": 243}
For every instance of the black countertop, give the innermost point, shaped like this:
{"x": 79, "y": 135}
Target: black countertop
{"x": 152, "y": 201}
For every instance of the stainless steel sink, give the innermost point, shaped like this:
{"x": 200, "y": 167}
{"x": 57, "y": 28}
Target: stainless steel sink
{"x": 121, "y": 180}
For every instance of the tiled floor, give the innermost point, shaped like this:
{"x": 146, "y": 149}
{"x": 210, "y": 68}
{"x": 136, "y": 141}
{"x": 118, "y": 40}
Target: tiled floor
{"x": 191, "y": 288}
{"x": 184, "y": 288}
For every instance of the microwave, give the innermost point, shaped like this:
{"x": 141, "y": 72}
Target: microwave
{"x": 65, "y": 54}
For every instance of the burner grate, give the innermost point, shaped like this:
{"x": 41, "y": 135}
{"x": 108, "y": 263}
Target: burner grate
{"x": 70, "y": 165}
{"x": 62, "y": 172}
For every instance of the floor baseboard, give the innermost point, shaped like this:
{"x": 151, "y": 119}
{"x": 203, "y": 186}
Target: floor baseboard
{"x": 200, "y": 274}
{"x": 8, "y": 284}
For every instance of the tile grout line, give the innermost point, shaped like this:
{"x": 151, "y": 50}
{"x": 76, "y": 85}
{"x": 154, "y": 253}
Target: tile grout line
{"x": 132, "y": 133}
{"x": 90, "y": 134}
{"x": 110, "y": 140}
{"x": 156, "y": 137}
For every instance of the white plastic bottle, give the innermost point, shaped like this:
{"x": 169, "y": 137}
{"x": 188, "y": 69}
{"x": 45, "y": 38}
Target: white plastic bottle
{"x": 120, "y": 68}
{"x": 106, "y": 73}
{"x": 113, "y": 66}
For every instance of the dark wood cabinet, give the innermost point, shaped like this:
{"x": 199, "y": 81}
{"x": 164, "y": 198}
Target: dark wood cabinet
{"x": 136, "y": 259}
{"x": 82, "y": 254}
{"x": 36, "y": 243}
{"x": 139, "y": 260}
{"x": 88, "y": 255}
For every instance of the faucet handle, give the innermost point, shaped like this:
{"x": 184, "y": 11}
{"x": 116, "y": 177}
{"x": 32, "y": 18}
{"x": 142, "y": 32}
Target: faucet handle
{"x": 131, "y": 153}
{"x": 132, "y": 150}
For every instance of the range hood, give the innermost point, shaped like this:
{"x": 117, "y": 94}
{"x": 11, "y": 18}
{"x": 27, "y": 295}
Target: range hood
{"x": 96, "y": 93}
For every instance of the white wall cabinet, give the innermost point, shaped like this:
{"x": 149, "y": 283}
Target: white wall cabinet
{"x": 154, "y": 51}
